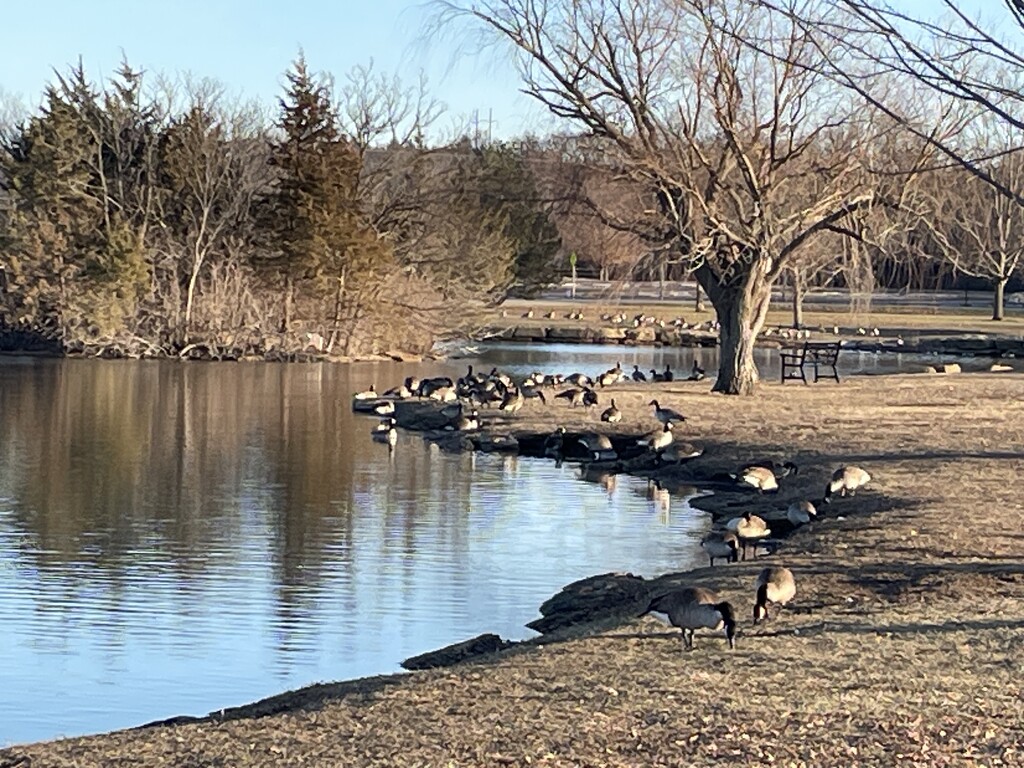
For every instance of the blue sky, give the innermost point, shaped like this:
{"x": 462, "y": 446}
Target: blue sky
{"x": 248, "y": 44}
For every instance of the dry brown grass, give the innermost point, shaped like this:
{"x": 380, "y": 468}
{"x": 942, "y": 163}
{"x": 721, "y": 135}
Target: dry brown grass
{"x": 902, "y": 648}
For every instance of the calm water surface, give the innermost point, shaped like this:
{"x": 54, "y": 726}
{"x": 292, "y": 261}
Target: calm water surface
{"x": 178, "y": 538}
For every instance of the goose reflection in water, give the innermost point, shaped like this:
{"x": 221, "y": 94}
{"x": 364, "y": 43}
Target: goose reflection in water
{"x": 607, "y": 480}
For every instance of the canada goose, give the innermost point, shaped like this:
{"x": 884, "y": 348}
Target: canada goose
{"x": 668, "y": 375}
{"x": 721, "y": 544}
{"x": 366, "y": 394}
{"x": 696, "y": 373}
{"x": 466, "y": 423}
{"x": 389, "y": 435}
{"x": 692, "y": 608}
{"x": 608, "y": 378}
{"x": 638, "y": 375}
{"x": 385, "y": 425}
{"x": 512, "y": 401}
{"x": 775, "y": 586}
{"x": 584, "y": 397}
{"x": 531, "y": 392}
{"x": 554, "y": 444}
{"x": 579, "y": 380}
{"x": 680, "y": 452}
{"x": 846, "y": 480}
{"x": 402, "y": 392}
{"x": 665, "y": 415}
{"x": 656, "y": 377}
{"x": 801, "y": 512}
{"x": 612, "y": 415}
{"x": 761, "y": 478}
{"x": 599, "y": 446}
{"x": 659, "y": 439}
{"x": 444, "y": 394}
{"x": 749, "y": 528}
{"x": 385, "y": 409}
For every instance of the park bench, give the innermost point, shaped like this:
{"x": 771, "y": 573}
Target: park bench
{"x": 819, "y": 355}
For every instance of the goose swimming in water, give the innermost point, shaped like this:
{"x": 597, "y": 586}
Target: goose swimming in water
{"x": 846, "y": 480}
{"x": 693, "y": 608}
{"x": 775, "y": 586}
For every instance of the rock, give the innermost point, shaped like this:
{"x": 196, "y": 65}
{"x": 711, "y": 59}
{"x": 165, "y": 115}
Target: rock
{"x": 593, "y": 598}
{"x": 458, "y": 652}
{"x": 1000, "y": 368}
{"x": 948, "y": 368}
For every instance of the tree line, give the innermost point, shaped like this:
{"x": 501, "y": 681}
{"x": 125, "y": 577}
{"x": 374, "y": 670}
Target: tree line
{"x": 740, "y": 142}
{"x": 170, "y": 221}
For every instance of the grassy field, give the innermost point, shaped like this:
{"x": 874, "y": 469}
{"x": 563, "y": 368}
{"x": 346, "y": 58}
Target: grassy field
{"x": 903, "y": 646}
{"x": 889, "y": 320}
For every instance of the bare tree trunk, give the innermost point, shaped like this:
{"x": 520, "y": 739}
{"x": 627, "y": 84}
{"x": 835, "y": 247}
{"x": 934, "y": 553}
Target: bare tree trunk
{"x": 998, "y": 308}
{"x": 289, "y": 299}
{"x": 741, "y": 312}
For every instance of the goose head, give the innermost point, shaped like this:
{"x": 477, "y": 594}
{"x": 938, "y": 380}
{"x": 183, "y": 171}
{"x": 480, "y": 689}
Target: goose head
{"x": 729, "y": 620}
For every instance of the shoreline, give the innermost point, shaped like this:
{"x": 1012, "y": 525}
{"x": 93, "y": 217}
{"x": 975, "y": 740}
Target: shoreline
{"x": 878, "y": 578}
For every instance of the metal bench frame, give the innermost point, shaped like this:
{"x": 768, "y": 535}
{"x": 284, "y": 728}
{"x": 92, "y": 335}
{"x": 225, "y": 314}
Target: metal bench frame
{"x": 817, "y": 354}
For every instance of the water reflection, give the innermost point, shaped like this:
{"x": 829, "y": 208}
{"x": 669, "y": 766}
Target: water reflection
{"x": 180, "y": 538}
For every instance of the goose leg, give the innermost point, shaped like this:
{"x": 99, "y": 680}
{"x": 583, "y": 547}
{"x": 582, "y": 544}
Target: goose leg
{"x": 687, "y": 639}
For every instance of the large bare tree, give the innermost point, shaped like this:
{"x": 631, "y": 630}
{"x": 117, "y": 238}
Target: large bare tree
{"x": 718, "y": 108}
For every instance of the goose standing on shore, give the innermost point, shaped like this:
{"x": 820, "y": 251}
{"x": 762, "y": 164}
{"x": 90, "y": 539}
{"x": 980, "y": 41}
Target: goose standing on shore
{"x": 612, "y": 414}
{"x": 599, "y": 446}
{"x": 659, "y": 439}
{"x": 693, "y": 608}
{"x": 775, "y": 586}
{"x": 638, "y": 375}
{"x": 846, "y": 480}
{"x": 749, "y": 528}
{"x": 665, "y": 415}
{"x": 801, "y": 512}
{"x": 719, "y": 544}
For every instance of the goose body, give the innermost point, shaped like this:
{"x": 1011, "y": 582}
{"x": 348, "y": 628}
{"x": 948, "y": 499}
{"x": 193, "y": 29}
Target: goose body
{"x": 554, "y": 445}
{"x": 599, "y": 446}
{"x": 693, "y": 608}
{"x": 385, "y": 409}
{"x": 612, "y": 414}
{"x": 659, "y": 439}
{"x": 366, "y": 394}
{"x": 775, "y": 586}
{"x": 760, "y": 478}
{"x": 678, "y": 452}
{"x": 846, "y": 481}
{"x": 665, "y": 415}
{"x": 719, "y": 544}
{"x": 638, "y": 375}
{"x": 512, "y": 401}
{"x": 466, "y": 423}
{"x": 749, "y": 528}
{"x": 801, "y": 512}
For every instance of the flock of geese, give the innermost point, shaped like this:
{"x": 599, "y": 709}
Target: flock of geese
{"x": 688, "y": 608}
{"x": 693, "y": 607}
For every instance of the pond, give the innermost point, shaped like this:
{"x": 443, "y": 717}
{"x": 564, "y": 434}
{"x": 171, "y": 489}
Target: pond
{"x": 180, "y": 538}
